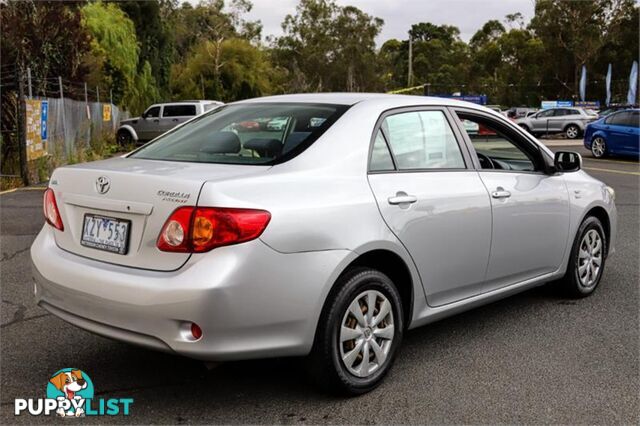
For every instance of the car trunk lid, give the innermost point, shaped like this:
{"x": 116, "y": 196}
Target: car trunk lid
{"x": 141, "y": 192}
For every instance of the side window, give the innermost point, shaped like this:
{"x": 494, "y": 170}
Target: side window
{"x": 497, "y": 148}
{"x": 633, "y": 119}
{"x": 574, "y": 112}
{"x": 617, "y": 119}
{"x": 179, "y": 110}
{"x": 380, "y": 155}
{"x": 153, "y": 112}
{"x": 546, "y": 114}
{"x": 422, "y": 140}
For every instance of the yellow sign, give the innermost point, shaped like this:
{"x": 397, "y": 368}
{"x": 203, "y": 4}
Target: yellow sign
{"x": 106, "y": 112}
{"x": 36, "y": 121}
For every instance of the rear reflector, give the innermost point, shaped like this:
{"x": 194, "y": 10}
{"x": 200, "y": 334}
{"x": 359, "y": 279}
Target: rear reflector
{"x": 200, "y": 229}
{"x": 196, "y": 331}
{"x": 50, "y": 208}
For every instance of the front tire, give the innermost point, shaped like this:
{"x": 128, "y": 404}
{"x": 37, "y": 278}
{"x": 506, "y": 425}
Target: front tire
{"x": 598, "y": 147}
{"x": 124, "y": 138}
{"x": 588, "y": 256}
{"x": 358, "y": 334}
{"x": 572, "y": 131}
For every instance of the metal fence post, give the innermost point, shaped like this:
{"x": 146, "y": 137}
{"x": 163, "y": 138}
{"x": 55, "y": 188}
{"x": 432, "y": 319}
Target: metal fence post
{"x": 22, "y": 130}
{"x": 64, "y": 118}
{"x": 29, "y": 82}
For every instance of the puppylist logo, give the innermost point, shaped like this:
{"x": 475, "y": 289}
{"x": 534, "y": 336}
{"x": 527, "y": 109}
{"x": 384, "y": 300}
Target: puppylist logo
{"x": 70, "y": 394}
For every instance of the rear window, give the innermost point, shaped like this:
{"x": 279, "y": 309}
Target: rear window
{"x": 266, "y": 133}
{"x": 179, "y": 110}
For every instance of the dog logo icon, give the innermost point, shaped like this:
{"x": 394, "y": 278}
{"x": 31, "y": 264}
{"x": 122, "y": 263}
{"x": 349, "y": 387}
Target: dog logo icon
{"x": 71, "y": 387}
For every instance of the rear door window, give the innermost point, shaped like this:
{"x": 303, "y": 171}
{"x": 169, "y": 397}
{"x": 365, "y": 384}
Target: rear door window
{"x": 179, "y": 110}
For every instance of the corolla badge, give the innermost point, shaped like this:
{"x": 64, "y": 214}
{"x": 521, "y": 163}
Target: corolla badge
{"x": 103, "y": 184}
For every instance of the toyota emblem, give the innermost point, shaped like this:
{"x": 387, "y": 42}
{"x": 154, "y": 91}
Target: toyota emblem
{"x": 103, "y": 184}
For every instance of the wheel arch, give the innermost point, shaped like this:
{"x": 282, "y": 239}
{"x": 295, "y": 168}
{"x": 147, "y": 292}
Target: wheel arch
{"x": 573, "y": 123}
{"x": 391, "y": 264}
{"x": 129, "y": 129}
{"x": 601, "y": 214}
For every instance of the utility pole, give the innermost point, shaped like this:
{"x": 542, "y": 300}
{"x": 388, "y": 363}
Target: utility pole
{"x": 410, "y": 74}
{"x": 21, "y": 130}
{"x": 98, "y": 93}
{"x": 29, "y": 82}
{"x": 202, "y": 85}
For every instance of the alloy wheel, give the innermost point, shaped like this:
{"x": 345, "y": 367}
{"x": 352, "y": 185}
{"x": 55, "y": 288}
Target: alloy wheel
{"x": 590, "y": 258}
{"x": 598, "y": 147}
{"x": 572, "y": 132}
{"x": 366, "y": 333}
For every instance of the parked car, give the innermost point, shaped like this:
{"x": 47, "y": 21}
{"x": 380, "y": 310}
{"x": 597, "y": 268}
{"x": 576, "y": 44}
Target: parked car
{"x": 615, "y": 134}
{"x": 614, "y": 108}
{"x": 519, "y": 112}
{"x": 160, "y": 118}
{"x": 570, "y": 121}
{"x": 368, "y": 215}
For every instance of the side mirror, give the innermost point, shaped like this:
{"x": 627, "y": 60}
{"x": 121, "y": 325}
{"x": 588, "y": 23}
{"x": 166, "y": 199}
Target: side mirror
{"x": 144, "y": 115}
{"x": 567, "y": 161}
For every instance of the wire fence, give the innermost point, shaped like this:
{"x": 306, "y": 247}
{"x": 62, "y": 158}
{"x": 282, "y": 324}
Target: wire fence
{"x": 70, "y": 122}
{"x": 50, "y": 121}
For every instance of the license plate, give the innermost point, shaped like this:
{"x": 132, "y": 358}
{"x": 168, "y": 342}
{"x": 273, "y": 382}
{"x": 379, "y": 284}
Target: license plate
{"x": 105, "y": 233}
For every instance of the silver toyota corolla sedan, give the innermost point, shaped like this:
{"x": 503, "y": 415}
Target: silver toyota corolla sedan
{"x": 319, "y": 225}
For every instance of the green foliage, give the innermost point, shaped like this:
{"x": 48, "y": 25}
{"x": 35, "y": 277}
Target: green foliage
{"x": 327, "y": 47}
{"x": 242, "y": 71}
{"x": 114, "y": 37}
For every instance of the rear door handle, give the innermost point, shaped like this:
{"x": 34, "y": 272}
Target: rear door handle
{"x": 500, "y": 193}
{"x": 402, "y": 198}
{"x": 175, "y": 119}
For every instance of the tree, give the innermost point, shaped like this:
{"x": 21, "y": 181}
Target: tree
{"x": 154, "y": 37}
{"x": 242, "y": 71}
{"x": 114, "y": 47}
{"x": 46, "y": 37}
{"x": 575, "y": 33}
{"x": 328, "y": 47}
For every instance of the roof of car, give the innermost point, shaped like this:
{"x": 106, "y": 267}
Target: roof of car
{"x": 354, "y": 98}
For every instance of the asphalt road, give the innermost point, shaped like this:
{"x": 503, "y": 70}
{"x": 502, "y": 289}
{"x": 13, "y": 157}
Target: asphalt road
{"x": 531, "y": 358}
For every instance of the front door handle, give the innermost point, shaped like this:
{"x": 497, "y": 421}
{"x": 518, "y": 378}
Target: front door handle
{"x": 402, "y": 198}
{"x": 500, "y": 192}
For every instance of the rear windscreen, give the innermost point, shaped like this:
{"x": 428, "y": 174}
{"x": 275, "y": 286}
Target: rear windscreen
{"x": 265, "y": 133}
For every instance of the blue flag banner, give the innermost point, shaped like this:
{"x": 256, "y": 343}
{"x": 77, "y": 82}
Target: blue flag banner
{"x": 583, "y": 83}
{"x": 608, "y": 83}
{"x": 633, "y": 84}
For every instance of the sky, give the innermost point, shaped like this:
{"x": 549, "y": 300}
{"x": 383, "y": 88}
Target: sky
{"x": 398, "y": 15}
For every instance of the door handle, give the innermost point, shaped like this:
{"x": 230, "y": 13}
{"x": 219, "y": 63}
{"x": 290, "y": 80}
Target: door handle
{"x": 156, "y": 121}
{"x": 402, "y": 198}
{"x": 175, "y": 119}
{"x": 500, "y": 192}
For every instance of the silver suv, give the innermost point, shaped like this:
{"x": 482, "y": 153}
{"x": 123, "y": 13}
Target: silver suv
{"x": 160, "y": 118}
{"x": 571, "y": 121}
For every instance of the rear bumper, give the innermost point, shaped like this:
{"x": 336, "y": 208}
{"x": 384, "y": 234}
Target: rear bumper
{"x": 249, "y": 300}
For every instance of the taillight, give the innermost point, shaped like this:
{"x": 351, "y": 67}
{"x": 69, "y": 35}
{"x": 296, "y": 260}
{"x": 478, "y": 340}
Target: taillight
{"x": 50, "y": 207}
{"x": 200, "y": 229}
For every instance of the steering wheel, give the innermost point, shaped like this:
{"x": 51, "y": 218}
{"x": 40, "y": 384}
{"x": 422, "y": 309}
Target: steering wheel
{"x": 485, "y": 161}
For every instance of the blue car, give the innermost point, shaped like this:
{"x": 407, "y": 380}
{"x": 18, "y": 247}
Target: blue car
{"x": 615, "y": 134}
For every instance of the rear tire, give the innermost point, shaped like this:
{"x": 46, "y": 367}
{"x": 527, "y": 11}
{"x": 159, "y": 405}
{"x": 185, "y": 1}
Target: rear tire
{"x": 598, "y": 147}
{"x": 587, "y": 261}
{"x": 572, "y": 131}
{"x": 525, "y": 128}
{"x": 344, "y": 340}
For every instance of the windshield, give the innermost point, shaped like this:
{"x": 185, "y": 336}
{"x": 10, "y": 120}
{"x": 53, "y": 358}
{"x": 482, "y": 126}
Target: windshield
{"x": 265, "y": 133}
